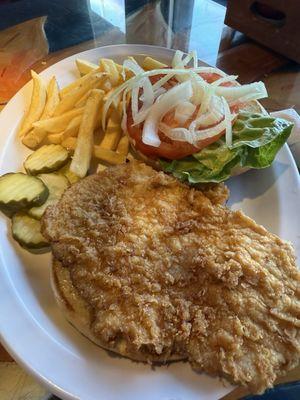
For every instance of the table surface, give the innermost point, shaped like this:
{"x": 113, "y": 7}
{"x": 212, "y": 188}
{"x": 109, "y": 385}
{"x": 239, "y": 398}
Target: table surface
{"x": 76, "y": 25}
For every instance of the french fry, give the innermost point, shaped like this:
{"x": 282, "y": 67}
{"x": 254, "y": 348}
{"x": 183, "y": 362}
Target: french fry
{"x": 73, "y": 127}
{"x": 101, "y": 168}
{"x": 69, "y": 143}
{"x": 150, "y": 63}
{"x": 114, "y": 70}
{"x": 117, "y": 103}
{"x": 105, "y": 155}
{"x": 81, "y": 102}
{"x": 112, "y": 133}
{"x": 71, "y": 131}
{"x": 52, "y": 99}
{"x": 78, "y": 82}
{"x": 84, "y": 66}
{"x": 107, "y": 62}
{"x": 108, "y": 156}
{"x": 109, "y": 66}
{"x": 85, "y": 141}
{"x": 65, "y": 170}
{"x": 58, "y": 124}
{"x": 36, "y": 135}
{"x": 56, "y": 138}
{"x": 37, "y": 105}
{"x": 70, "y": 99}
{"x": 123, "y": 145}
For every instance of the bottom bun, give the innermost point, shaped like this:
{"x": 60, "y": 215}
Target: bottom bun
{"x": 239, "y": 170}
{"x": 80, "y": 315}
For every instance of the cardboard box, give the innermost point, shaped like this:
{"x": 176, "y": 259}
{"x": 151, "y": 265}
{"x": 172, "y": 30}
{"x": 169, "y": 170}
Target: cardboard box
{"x": 273, "y": 23}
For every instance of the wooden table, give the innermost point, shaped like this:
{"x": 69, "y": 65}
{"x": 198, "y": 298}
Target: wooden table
{"x": 248, "y": 60}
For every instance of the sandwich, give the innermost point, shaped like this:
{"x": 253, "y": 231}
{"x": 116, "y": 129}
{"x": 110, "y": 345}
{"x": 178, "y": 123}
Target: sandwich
{"x": 197, "y": 123}
{"x": 157, "y": 271}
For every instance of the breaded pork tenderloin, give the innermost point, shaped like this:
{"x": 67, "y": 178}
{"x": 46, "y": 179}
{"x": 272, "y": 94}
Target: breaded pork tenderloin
{"x": 151, "y": 269}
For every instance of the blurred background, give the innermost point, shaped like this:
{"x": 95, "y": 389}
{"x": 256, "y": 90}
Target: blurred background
{"x": 35, "y": 34}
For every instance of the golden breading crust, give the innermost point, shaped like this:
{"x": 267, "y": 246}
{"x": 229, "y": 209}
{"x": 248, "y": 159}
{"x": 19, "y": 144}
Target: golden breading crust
{"x": 218, "y": 193}
{"x": 168, "y": 274}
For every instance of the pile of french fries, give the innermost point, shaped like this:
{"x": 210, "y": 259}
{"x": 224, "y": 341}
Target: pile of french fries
{"x": 71, "y": 116}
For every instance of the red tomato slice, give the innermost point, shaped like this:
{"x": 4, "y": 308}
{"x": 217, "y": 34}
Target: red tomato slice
{"x": 170, "y": 149}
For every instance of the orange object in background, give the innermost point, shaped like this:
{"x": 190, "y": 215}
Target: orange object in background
{"x": 20, "y": 47}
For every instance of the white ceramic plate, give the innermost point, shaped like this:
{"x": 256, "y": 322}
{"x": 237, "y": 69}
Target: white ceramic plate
{"x": 31, "y": 325}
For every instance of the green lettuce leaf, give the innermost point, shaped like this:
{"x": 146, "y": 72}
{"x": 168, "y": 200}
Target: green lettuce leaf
{"x": 257, "y": 138}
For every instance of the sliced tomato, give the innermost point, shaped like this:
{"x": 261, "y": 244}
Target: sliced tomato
{"x": 170, "y": 149}
{"x": 209, "y": 77}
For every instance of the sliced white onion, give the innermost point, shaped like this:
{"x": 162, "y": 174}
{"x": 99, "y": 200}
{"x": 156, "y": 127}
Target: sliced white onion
{"x": 138, "y": 116}
{"x": 142, "y": 114}
{"x": 157, "y": 93}
{"x": 164, "y": 128}
{"x": 225, "y": 79}
{"x": 184, "y": 111}
{"x": 233, "y": 93}
{"x": 135, "y": 101}
{"x": 209, "y": 132}
{"x": 214, "y": 115}
{"x": 168, "y": 100}
{"x": 135, "y": 81}
{"x": 195, "y": 59}
{"x": 162, "y": 81}
{"x": 208, "y": 119}
{"x": 207, "y": 95}
{"x": 148, "y": 93}
{"x": 186, "y": 60}
{"x": 199, "y": 87}
{"x": 192, "y": 136}
{"x": 177, "y": 59}
{"x": 124, "y": 108}
{"x": 180, "y": 62}
{"x": 200, "y": 95}
{"x": 181, "y": 134}
{"x": 244, "y": 99}
{"x": 227, "y": 120}
{"x": 111, "y": 98}
{"x": 133, "y": 66}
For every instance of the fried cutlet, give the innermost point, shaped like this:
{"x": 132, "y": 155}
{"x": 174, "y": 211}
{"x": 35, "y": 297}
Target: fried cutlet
{"x": 151, "y": 269}
{"x": 218, "y": 193}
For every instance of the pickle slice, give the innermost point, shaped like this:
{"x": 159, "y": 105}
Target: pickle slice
{"x": 47, "y": 158}
{"x": 19, "y": 191}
